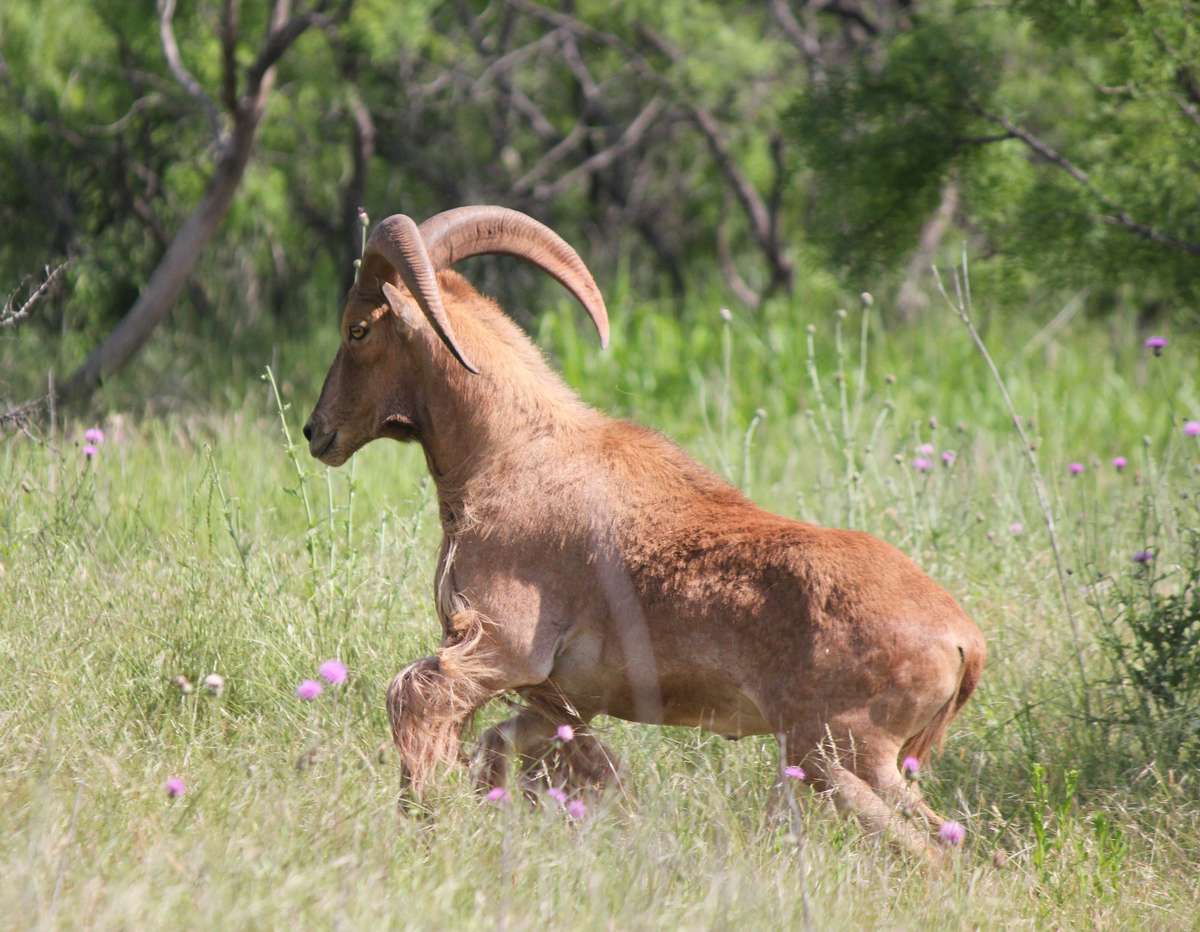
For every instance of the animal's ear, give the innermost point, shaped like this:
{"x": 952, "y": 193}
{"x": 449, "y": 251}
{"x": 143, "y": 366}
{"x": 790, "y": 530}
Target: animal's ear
{"x": 404, "y": 307}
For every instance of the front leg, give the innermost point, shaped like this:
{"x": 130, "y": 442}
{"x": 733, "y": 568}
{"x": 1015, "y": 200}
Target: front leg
{"x": 431, "y": 701}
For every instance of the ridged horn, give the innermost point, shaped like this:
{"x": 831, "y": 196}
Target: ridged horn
{"x": 458, "y": 234}
{"x": 398, "y": 241}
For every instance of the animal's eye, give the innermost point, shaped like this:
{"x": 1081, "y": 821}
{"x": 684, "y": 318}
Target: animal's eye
{"x": 358, "y": 331}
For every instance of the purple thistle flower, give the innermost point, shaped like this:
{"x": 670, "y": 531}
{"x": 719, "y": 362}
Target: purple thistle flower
{"x": 309, "y": 690}
{"x": 926, "y": 449}
{"x": 951, "y": 833}
{"x": 1192, "y": 428}
{"x": 175, "y": 787}
{"x": 576, "y": 809}
{"x": 948, "y": 457}
{"x": 89, "y": 451}
{"x": 1075, "y": 468}
{"x": 1016, "y": 529}
{"x": 921, "y": 464}
{"x": 565, "y": 733}
{"x": 1157, "y": 344}
{"x": 796, "y": 773}
{"x": 910, "y": 767}
{"x": 332, "y": 672}
{"x": 497, "y": 794}
{"x": 558, "y": 794}
{"x": 1119, "y": 463}
{"x": 1143, "y": 556}
{"x": 94, "y": 435}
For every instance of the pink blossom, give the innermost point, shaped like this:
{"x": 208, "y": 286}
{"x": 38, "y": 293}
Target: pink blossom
{"x": 175, "y": 787}
{"x": 796, "y": 773}
{"x": 565, "y": 733}
{"x": 1075, "y": 468}
{"x": 576, "y": 809}
{"x": 497, "y": 794}
{"x": 926, "y": 449}
{"x": 89, "y": 451}
{"x": 1157, "y": 344}
{"x": 557, "y": 794}
{"x": 1119, "y": 463}
{"x": 94, "y": 435}
{"x": 1143, "y": 556}
{"x": 951, "y": 833}
{"x": 948, "y": 457}
{"x": 332, "y": 672}
{"x": 1192, "y": 428}
{"x": 309, "y": 690}
{"x": 1016, "y": 529}
{"x": 910, "y": 767}
{"x": 921, "y": 464}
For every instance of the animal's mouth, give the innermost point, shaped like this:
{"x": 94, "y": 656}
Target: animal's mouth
{"x": 320, "y": 448}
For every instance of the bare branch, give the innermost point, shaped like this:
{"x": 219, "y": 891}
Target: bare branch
{"x": 803, "y": 39}
{"x": 10, "y": 317}
{"x": 282, "y": 33}
{"x": 554, "y": 155}
{"x": 166, "y": 31}
{"x": 1118, "y": 216}
{"x": 605, "y": 157}
{"x": 229, "y": 37}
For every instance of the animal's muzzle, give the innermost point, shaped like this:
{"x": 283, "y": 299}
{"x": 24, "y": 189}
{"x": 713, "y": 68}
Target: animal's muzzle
{"x": 319, "y": 442}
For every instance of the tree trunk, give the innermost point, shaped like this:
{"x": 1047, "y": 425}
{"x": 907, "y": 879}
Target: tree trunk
{"x": 172, "y": 272}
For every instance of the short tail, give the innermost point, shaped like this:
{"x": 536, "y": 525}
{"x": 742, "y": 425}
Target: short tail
{"x": 932, "y": 735}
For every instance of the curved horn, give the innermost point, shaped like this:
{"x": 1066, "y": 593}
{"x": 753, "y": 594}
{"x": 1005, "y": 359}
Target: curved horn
{"x": 399, "y": 243}
{"x": 458, "y": 234}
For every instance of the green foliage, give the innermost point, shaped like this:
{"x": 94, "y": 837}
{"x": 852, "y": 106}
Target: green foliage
{"x": 1152, "y": 640}
{"x": 883, "y": 138}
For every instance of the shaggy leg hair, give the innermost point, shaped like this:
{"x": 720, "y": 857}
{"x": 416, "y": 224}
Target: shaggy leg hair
{"x": 583, "y": 764}
{"x": 431, "y": 701}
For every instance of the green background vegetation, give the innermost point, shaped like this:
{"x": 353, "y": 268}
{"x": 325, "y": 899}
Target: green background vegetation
{"x": 184, "y": 548}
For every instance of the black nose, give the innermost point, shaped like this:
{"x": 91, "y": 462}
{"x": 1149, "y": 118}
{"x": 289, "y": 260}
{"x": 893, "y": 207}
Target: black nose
{"x": 308, "y": 431}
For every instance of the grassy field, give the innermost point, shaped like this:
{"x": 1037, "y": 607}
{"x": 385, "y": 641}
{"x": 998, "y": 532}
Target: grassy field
{"x": 194, "y": 542}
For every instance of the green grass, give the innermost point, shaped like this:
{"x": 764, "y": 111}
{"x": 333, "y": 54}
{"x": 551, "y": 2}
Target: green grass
{"x": 185, "y": 548}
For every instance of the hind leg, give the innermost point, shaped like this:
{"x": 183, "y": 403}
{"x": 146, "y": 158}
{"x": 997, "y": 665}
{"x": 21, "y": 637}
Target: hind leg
{"x": 852, "y": 771}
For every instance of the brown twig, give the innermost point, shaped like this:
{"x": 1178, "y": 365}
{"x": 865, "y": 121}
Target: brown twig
{"x": 10, "y": 317}
{"x": 1118, "y": 216}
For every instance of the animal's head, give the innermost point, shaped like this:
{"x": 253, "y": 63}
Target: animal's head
{"x": 394, "y": 322}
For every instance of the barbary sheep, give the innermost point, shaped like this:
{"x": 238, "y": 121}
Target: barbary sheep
{"x": 590, "y": 566}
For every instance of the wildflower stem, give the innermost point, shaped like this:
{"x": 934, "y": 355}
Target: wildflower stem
{"x": 310, "y": 535}
{"x": 962, "y": 307}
